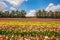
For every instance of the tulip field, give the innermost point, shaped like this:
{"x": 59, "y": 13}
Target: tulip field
{"x": 29, "y": 29}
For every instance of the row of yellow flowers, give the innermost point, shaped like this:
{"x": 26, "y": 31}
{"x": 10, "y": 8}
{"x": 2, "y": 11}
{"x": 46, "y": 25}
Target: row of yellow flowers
{"x": 30, "y": 23}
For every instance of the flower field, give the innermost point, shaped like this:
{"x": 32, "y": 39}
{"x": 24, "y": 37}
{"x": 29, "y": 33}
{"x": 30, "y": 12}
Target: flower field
{"x": 29, "y": 30}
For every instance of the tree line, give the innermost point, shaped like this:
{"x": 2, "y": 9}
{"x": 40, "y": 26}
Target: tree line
{"x": 13, "y": 14}
{"x": 45, "y": 14}
{"x": 22, "y": 14}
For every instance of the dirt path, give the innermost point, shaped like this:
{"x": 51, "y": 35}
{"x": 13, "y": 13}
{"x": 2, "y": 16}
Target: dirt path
{"x": 31, "y": 19}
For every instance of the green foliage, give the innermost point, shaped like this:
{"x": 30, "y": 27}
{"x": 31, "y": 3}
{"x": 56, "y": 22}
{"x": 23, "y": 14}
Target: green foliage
{"x": 22, "y": 14}
{"x": 45, "y": 14}
{"x": 45, "y": 33}
{"x": 13, "y": 14}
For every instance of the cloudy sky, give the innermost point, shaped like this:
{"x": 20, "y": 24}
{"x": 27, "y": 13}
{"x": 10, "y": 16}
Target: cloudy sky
{"x": 30, "y": 5}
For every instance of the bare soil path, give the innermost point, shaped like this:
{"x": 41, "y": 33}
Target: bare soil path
{"x": 31, "y": 19}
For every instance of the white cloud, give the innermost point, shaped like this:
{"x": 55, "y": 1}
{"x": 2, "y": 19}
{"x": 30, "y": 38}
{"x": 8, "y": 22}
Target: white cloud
{"x": 12, "y": 8}
{"x": 16, "y": 2}
{"x": 31, "y": 13}
{"x": 52, "y": 7}
{"x": 2, "y": 6}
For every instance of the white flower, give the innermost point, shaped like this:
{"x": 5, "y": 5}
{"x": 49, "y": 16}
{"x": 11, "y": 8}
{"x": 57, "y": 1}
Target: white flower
{"x": 46, "y": 37}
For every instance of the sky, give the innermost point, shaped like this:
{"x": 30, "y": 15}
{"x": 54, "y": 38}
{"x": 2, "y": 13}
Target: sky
{"x": 30, "y": 6}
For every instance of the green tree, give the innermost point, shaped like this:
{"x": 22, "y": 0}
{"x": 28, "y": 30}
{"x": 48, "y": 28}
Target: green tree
{"x": 12, "y": 14}
{"x": 23, "y": 13}
{"x": 51, "y": 14}
{"x": 38, "y": 13}
{"x": 6, "y": 14}
{"x": 44, "y": 13}
{"x": 1, "y": 14}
